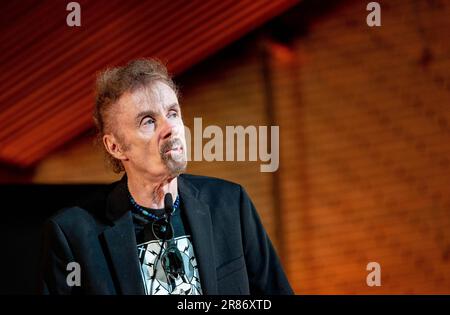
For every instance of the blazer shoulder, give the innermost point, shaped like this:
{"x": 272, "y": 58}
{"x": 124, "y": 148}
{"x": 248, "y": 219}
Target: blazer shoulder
{"x": 70, "y": 216}
{"x": 212, "y": 184}
{"x": 85, "y": 211}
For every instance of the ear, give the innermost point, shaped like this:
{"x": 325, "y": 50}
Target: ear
{"x": 113, "y": 147}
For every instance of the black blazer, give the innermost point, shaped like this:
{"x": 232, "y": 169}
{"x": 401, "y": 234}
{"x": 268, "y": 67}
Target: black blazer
{"x": 233, "y": 251}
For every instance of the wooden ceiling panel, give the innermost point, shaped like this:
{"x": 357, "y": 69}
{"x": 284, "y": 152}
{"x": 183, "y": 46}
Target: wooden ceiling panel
{"x": 48, "y": 68}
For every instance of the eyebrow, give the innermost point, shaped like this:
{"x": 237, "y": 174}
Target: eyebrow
{"x": 173, "y": 106}
{"x": 152, "y": 113}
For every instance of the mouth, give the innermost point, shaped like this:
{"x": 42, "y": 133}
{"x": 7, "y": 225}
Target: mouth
{"x": 174, "y": 149}
{"x": 174, "y": 156}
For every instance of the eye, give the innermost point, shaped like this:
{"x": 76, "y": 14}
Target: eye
{"x": 148, "y": 121}
{"x": 172, "y": 114}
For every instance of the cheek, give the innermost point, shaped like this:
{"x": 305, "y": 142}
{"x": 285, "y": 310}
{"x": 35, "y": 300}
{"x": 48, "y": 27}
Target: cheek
{"x": 180, "y": 129}
{"x": 146, "y": 146}
{"x": 152, "y": 148}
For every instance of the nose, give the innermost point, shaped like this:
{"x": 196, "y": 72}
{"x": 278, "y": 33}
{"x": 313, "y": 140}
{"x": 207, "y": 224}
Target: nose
{"x": 167, "y": 130}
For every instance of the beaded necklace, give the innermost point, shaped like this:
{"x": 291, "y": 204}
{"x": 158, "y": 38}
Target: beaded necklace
{"x": 143, "y": 211}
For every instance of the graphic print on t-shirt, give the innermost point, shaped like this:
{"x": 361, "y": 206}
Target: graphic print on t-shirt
{"x": 176, "y": 270}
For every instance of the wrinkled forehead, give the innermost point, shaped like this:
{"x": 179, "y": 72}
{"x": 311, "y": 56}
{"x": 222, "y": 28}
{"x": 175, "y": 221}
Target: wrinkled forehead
{"x": 156, "y": 96}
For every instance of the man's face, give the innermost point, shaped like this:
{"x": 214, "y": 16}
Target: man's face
{"x": 149, "y": 131}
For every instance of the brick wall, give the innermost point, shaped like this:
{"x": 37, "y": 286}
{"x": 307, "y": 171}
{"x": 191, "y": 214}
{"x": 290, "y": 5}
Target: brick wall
{"x": 365, "y": 118}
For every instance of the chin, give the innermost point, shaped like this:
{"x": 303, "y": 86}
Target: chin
{"x": 176, "y": 168}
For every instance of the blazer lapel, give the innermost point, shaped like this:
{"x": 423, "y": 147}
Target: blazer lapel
{"x": 199, "y": 220}
{"x": 121, "y": 243}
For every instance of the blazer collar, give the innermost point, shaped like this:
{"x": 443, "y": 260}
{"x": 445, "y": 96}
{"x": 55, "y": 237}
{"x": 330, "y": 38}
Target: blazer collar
{"x": 120, "y": 240}
{"x": 200, "y": 224}
{"x": 117, "y": 203}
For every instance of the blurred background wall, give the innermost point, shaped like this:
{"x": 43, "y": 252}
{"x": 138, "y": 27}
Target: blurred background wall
{"x": 364, "y": 116}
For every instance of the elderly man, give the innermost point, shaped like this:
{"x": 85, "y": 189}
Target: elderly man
{"x": 156, "y": 231}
